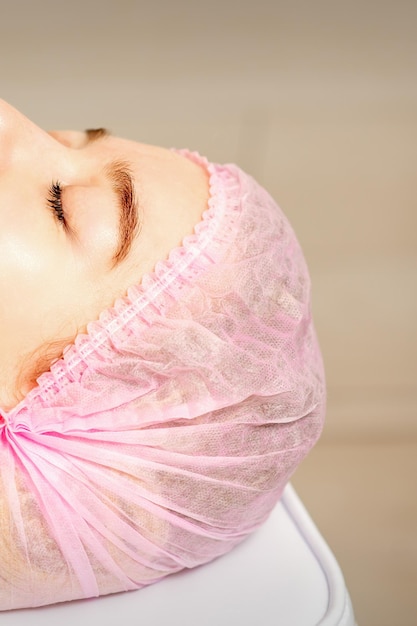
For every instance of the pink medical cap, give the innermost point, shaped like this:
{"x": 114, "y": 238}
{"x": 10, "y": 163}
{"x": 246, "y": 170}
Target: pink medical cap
{"x": 166, "y": 435}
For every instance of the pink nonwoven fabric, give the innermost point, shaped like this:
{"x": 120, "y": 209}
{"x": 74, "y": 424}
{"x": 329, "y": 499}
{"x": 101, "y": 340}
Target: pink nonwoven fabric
{"x": 166, "y": 434}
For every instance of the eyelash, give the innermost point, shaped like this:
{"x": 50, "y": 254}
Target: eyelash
{"x": 55, "y": 202}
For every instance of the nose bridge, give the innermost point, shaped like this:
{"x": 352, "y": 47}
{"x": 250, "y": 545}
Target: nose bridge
{"x": 21, "y": 139}
{"x": 9, "y": 124}
{"x": 6, "y": 112}
{"x": 11, "y": 120}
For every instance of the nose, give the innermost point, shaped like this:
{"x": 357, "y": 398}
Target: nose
{"x": 20, "y": 136}
{"x": 7, "y": 113}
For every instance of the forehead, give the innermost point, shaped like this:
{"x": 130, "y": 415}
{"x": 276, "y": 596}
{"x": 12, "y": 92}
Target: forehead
{"x": 172, "y": 191}
{"x": 134, "y": 150}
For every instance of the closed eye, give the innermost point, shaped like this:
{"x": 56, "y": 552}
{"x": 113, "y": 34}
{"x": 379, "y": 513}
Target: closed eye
{"x": 55, "y": 202}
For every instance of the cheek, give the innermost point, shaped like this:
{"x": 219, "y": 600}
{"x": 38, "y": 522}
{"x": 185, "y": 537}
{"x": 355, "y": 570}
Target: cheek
{"x": 32, "y": 253}
{"x": 35, "y": 283}
{"x": 49, "y": 288}
{"x": 23, "y": 252}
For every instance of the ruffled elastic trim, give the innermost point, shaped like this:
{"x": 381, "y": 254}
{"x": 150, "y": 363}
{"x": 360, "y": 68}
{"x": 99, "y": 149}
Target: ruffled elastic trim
{"x": 215, "y": 231}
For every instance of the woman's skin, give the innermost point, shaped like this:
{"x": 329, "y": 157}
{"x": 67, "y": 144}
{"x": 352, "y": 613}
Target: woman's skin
{"x": 69, "y": 204}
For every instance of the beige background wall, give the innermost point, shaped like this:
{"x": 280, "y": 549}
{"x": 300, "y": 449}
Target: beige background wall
{"x": 317, "y": 100}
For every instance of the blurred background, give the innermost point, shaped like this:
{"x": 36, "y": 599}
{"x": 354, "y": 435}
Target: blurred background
{"x": 318, "y": 100}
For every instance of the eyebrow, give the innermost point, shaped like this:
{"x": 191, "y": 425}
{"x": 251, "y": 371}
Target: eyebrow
{"x": 120, "y": 177}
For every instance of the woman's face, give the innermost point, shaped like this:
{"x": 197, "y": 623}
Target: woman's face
{"x": 82, "y": 217}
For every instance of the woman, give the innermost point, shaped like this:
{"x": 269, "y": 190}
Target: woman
{"x": 160, "y": 373}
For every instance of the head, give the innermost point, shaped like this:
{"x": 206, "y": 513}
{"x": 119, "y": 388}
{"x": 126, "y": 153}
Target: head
{"x": 194, "y": 385}
{"x": 83, "y": 215}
